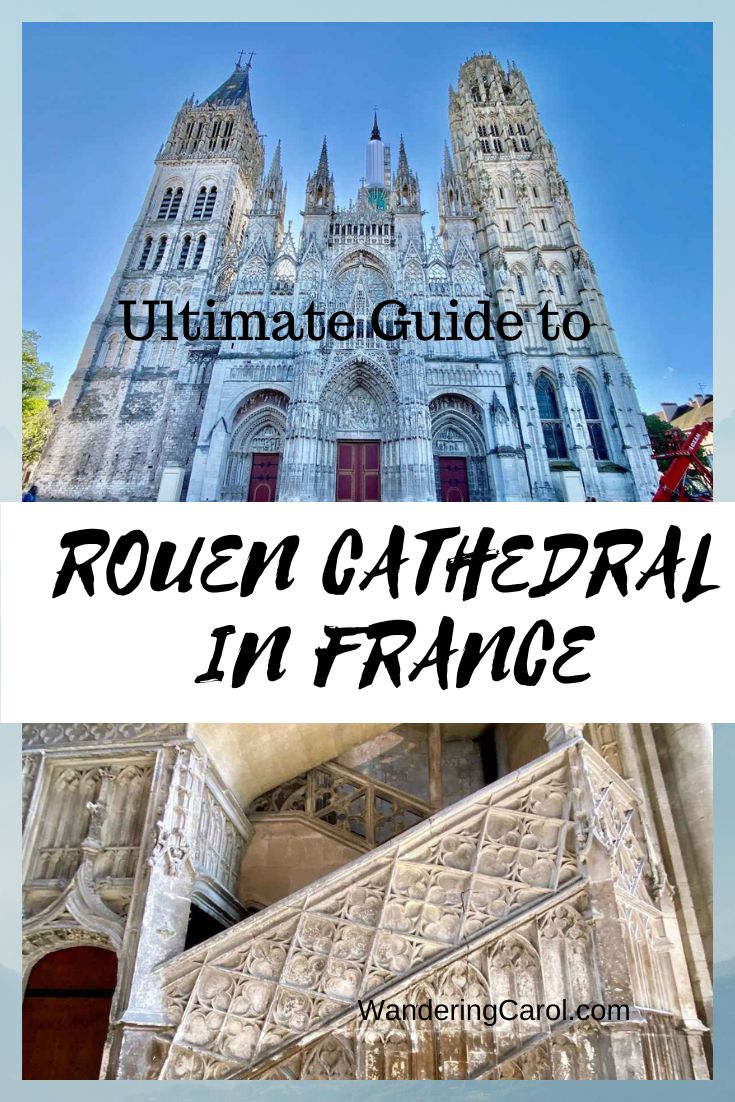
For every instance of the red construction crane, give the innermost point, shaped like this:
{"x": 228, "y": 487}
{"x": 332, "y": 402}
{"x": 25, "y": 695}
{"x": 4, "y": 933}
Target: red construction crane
{"x": 683, "y": 455}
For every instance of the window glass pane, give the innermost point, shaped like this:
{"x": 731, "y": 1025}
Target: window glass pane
{"x": 556, "y": 445}
{"x": 546, "y": 398}
{"x": 599, "y": 447}
{"x": 592, "y": 416}
{"x": 589, "y": 405}
{"x": 548, "y": 406}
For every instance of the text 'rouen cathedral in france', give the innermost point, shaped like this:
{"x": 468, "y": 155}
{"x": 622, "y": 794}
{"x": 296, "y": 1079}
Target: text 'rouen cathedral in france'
{"x": 357, "y": 419}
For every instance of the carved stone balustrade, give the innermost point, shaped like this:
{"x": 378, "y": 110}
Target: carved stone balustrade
{"x": 545, "y": 885}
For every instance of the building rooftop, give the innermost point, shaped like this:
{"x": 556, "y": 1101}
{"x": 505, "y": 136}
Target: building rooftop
{"x": 235, "y": 90}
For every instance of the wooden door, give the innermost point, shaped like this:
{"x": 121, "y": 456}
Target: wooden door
{"x": 66, "y": 1013}
{"x": 358, "y": 470}
{"x": 453, "y": 484}
{"x": 263, "y": 476}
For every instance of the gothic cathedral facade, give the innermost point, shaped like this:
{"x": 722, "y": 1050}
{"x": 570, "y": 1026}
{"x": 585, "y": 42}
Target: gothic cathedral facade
{"x": 361, "y": 418}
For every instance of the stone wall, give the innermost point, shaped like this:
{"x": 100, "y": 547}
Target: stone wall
{"x": 287, "y": 855}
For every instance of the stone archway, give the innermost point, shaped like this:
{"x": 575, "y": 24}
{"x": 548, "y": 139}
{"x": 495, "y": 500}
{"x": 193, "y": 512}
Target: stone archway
{"x": 66, "y": 1013}
{"x": 460, "y": 449}
{"x": 358, "y": 434}
{"x": 251, "y": 466}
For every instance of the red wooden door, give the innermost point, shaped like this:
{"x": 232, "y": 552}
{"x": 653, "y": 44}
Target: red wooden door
{"x": 358, "y": 470}
{"x": 66, "y": 1013}
{"x": 453, "y": 478}
{"x": 263, "y": 476}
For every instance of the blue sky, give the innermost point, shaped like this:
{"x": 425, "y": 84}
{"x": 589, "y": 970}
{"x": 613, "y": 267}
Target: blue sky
{"x": 628, "y": 107}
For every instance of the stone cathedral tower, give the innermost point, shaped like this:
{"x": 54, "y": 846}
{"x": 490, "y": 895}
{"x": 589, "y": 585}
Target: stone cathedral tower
{"x": 132, "y": 410}
{"x": 361, "y": 418}
{"x": 580, "y": 410}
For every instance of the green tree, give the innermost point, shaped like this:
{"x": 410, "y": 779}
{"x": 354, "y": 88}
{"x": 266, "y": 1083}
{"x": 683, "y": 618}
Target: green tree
{"x": 37, "y": 386}
{"x": 662, "y": 435}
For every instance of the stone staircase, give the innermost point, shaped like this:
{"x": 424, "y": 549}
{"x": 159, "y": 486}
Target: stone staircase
{"x": 542, "y": 886}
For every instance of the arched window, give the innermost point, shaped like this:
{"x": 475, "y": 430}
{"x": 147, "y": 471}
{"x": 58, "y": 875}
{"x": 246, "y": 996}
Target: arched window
{"x": 175, "y": 203}
{"x": 199, "y": 205}
{"x": 548, "y": 407}
{"x": 214, "y": 133}
{"x": 153, "y": 353}
{"x": 199, "y": 251}
{"x": 209, "y": 205}
{"x": 146, "y": 252}
{"x": 521, "y": 286}
{"x": 559, "y": 284}
{"x": 185, "y": 246}
{"x": 166, "y": 202}
{"x": 160, "y": 250}
{"x": 593, "y": 419}
{"x": 111, "y": 350}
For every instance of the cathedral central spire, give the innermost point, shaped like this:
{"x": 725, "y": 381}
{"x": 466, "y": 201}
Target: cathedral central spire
{"x": 375, "y": 136}
{"x": 377, "y": 175}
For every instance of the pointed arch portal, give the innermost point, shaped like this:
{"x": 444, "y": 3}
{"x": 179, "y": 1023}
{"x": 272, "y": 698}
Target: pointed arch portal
{"x": 358, "y": 427}
{"x": 252, "y": 463}
{"x": 460, "y": 449}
